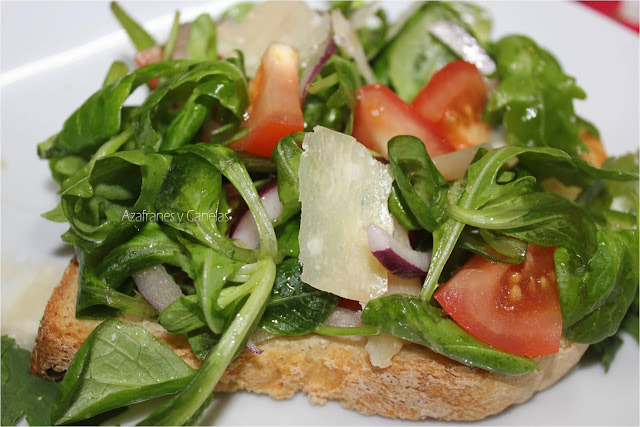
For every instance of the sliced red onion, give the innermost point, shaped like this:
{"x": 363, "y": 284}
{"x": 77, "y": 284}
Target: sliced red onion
{"x": 343, "y": 318}
{"x": 315, "y": 65}
{"x": 258, "y": 336}
{"x": 157, "y": 286}
{"x": 253, "y": 348}
{"x": 246, "y": 229}
{"x": 463, "y": 44}
{"x": 395, "y": 256}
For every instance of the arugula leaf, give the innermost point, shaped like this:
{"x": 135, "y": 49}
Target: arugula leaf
{"x": 151, "y": 246}
{"x": 286, "y": 156}
{"x": 64, "y": 167}
{"x": 182, "y": 316}
{"x": 140, "y": 38}
{"x": 230, "y": 166}
{"x": 534, "y": 100}
{"x": 482, "y": 188}
{"x": 544, "y": 219}
{"x": 111, "y": 369}
{"x": 604, "y": 198}
{"x": 189, "y": 201}
{"x": 332, "y": 97}
{"x": 208, "y": 83}
{"x": 22, "y": 393}
{"x": 172, "y": 40}
{"x": 412, "y": 319}
{"x": 421, "y": 185}
{"x": 202, "y": 39}
{"x": 117, "y": 186}
{"x": 202, "y": 341}
{"x": 288, "y": 238}
{"x": 294, "y": 307}
{"x": 117, "y": 71}
{"x": 92, "y": 293}
{"x": 100, "y": 117}
{"x": 256, "y": 164}
{"x": 493, "y": 245}
{"x": 182, "y": 407}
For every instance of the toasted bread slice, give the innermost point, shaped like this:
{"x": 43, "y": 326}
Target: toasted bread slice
{"x": 419, "y": 384}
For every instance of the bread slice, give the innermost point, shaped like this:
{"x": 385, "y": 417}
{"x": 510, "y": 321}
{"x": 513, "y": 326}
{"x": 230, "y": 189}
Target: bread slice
{"x": 419, "y": 384}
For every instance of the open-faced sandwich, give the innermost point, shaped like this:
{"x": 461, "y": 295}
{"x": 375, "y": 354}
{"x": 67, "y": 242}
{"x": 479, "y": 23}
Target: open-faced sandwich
{"x": 406, "y": 217}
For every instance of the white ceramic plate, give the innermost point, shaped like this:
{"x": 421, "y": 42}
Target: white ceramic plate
{"x": 55, "y": 54}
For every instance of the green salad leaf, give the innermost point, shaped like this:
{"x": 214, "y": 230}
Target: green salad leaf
{"x": 22, "y": 393}
{"x": 412, "y": 319}
{"x": 100, "y": 117}
{"x": 202, "y": 39}
{"x": 181, "y": 408}
{"x": 138, "y": 35}
{"x": 595, "y": 299}
{"x": 182, "y": 316}
{"x": 190, "y": 201}
{"x": 286, "y": 156}
{"x": 118, "y": 364}
{"x": 422, "y": 186}
{"x": 294, "y": 307}
{"x": 332, "y": 97}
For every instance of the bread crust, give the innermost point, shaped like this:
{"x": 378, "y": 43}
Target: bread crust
{"x": 419, "y": 384}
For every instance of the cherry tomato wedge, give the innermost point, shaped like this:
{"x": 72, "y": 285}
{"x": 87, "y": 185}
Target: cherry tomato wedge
{"x": 381, "y": 115}
{"x": 452, "y": 103}
{"x": 274, "y": 108}
{"x": 514, "y": 308}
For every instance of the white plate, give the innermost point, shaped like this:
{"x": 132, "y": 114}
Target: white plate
{"x": 55, "y": 54}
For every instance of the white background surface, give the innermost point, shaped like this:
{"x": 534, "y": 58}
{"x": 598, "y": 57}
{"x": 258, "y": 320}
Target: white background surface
{"x": 55, "y": 54}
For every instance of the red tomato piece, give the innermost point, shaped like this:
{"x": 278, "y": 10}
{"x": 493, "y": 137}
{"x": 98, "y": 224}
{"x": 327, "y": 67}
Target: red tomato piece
{"x": 514, "y": 308}
{"x": 274, "y": 108}
{"x": 349, "y": 304}
{"x": 381, "y": 115}
{"x": 452, "y": 103}
{"x": 150, "y": 55}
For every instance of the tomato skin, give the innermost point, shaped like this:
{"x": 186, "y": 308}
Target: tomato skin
{"x": 150, "y": 55}
{"x": 452, "y": 103}
{"x": 349, "y": 304}
{"x": 381, "y": 115}
{"x": 274, "y": 108}
{"x": 514, "y": 308}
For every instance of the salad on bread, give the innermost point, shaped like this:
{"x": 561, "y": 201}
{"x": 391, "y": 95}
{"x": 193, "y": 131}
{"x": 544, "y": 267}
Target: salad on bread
{"x": 293, "y": 173}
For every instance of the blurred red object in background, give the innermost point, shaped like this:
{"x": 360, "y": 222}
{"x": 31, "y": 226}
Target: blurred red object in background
{"x": 625, "y": 12}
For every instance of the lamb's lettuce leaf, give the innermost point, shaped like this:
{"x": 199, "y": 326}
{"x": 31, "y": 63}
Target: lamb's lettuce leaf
{"x": 118, "y": 364}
